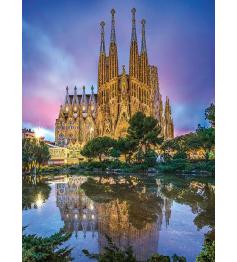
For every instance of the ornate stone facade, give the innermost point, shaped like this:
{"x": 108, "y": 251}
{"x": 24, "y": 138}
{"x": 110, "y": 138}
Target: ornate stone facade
{"x": 83, "y": 117}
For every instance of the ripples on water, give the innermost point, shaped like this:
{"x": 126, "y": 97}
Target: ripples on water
{"x": 167, "y": 214}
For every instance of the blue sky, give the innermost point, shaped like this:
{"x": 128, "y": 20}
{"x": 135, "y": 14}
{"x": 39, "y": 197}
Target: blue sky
{"x": 61, "y": 45}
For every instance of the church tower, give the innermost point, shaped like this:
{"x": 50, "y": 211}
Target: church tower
{"x": 113, "y": 54}
{"x": 102, "y": 58}
{"x": 102, "y": 77}
{"x": 168, "y": 121}
{"x": 112, "y": 86}
{"x": 134, "y": 56}
{"x": 120, "y": 95}
{"x": 134, "y": 68}
{"x": 143, "y": 57}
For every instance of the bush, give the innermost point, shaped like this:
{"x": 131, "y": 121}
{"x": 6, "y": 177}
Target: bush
{"x": 180, "y": 155}
{"x": 150, "y": 158}
{"x": 112, "y": 253}
{"x": 35, "y": 248}
{"x": 208, "y": 166}
{"x": 116, "y": 254}
{"x": 208, "y": 252}
{"x": 174, "y": 165}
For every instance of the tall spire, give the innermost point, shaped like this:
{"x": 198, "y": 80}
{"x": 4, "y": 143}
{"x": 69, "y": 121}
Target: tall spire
{"x": 92, "y": 102}
{"x": 92, "y": 96}
{"x": 102, "y": 58}
{"x": 75, "y": 100}
{"x": 67, "y": 96}
{"x": 113, "y": 55}
{"x": 84, "y": 102}
{"x": 144, "y": 67}
{"x": 143, "y": 48}
{"x": 112, "y": 36}
{"x": 102, "y": 43}
{"x": 134, "y": 34}
{"x": 134, "y": 56}
{"x": 67, "y": 101}
{"x": 169, "y": 126}
{"x": 61, "y": 111}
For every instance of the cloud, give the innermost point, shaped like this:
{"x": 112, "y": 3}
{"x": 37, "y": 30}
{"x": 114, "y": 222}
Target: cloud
{"x": 48, "y": 134}
{"x": 61, "y": 44}
{"x": 40, "y": 111}
{"x": 47, "y": 69}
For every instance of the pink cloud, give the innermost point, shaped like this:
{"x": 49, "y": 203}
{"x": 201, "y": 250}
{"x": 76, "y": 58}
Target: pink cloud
{"x": 39, "y": 111}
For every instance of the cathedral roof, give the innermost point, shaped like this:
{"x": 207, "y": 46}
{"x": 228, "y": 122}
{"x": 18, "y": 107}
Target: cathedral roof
{"x": 79, "y": 97}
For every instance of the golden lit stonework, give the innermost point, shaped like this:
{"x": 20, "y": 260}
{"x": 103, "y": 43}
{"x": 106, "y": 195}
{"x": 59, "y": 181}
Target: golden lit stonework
{"x": 120, "y": 95}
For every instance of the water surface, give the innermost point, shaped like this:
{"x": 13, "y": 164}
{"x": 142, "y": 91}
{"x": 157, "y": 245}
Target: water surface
{"x": 164, "y": 214}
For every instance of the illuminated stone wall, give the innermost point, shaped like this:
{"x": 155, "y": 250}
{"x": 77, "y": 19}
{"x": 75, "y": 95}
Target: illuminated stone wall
{"x": 120, "y": 95}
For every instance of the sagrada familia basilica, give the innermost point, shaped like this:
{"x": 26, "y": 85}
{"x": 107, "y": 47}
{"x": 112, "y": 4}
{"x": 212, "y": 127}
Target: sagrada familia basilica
{"x": 119, "y": 97}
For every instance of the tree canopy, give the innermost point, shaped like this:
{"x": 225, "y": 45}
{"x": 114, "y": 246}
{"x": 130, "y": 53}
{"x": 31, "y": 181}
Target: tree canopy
{"x": 204, "y": 138}
{"x": 36, "y": 248}
{"x": 126, "y": 147}
{"x": 98, "y": 147}
{"x": 145, "y": 131}
{"x": 210, "y": 114}
{"x": 34, "y": 153}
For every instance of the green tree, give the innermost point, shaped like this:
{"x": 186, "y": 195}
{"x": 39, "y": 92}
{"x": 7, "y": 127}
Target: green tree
{"x": 114, "y": 152}
{"x": 34, "y": 154}
{"x": 112, "y": 253}
{"x": 210, "y": 114}
{"x": 208, "y": 252}
{"x": 42, "y": 154}
{"x": 177, "y": 147}
{"x": 150, "y": 158}
{"x": 145, "y": 131}
{"x": 116, "y": 254}
{"x": 127, "y": 147}
{"x": 204, "y": 138}
{"x": 39, "y": 249}
{"x": 27, "y": 153}
{"x": 98, "y": 147}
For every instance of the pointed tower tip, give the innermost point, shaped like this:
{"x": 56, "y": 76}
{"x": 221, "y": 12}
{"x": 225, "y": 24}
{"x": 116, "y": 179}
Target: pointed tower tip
{"x": 112, "y": 12}
{"x": 143, "y": 48}
{"x": 133, "y": 11}
{"x": 112, "y": 36}
{"x": 102, "y": 42}
{"x": 134, "y": 34}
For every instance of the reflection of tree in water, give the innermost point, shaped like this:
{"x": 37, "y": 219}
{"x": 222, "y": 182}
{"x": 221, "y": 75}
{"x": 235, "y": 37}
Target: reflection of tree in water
{"x": 34, "y": 195}
{"x": 142, "y": 206}
{"x": 128, "y": 212}
{"x": 200, "y": 197}
{"x": 130, "y": 209}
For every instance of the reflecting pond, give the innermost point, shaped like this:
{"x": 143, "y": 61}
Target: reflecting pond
{"x": 164, "y": 214}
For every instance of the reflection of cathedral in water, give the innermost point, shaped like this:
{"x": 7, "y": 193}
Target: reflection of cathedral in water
{"x": 115, "y": 223}
{"x": 167, "y": 201}
{"x": 77, "y": 210}
{"x": 112, "y": 218}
